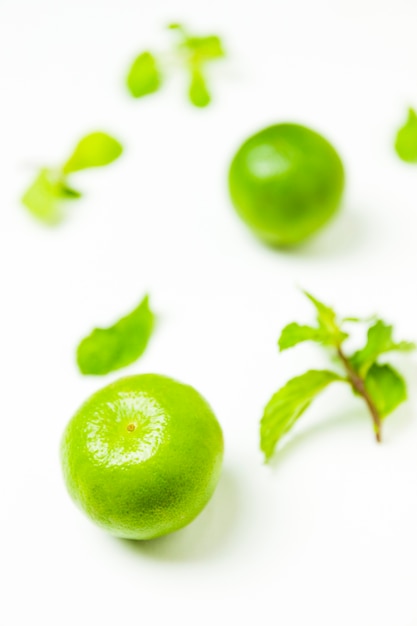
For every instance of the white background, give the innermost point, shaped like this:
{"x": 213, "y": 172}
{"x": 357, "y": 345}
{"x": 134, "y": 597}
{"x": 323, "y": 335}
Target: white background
{"x": 327, "y": 533}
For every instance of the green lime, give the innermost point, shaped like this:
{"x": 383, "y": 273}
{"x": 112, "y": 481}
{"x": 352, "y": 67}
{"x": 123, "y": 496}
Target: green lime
{"x": 142, "y": 456}
{"x": 286, "y": 182}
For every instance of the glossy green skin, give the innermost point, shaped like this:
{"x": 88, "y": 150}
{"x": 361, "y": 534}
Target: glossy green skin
{"x": 150, "y": 481}
{"x": 286, "y": 182}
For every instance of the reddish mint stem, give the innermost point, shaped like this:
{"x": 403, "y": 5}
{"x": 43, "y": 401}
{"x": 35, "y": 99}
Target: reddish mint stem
{"x": 359, "y": 385}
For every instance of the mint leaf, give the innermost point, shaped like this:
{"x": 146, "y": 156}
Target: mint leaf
{"x": 294, "y": 334}
{"x": 144, "y": 76}
{"x": 406, "y": 139}
{"x": 109, "y": 349}
{"x": 203, "y": 49}
{"x": 289, "y": 403}
{"x": 44, "y": 197}
{"x": 327, "y": 320}
{"x": 198, "y": 92}
{"x": 386, "y": 387}
{"x": 94, "y": 150}
{"x": 199, "y": 48}
{"x": 379, "y": 341}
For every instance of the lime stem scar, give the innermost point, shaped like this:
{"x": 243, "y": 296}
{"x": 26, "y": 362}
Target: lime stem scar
{"x": 131, "y": 427}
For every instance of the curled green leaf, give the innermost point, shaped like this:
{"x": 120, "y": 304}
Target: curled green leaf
{"x": 289, "y": 403}
{"x": 406, "y": 139}
{"x": 109, "y": 349}
{"x": 94, "y": 150}
{"x": 144, "y": 76}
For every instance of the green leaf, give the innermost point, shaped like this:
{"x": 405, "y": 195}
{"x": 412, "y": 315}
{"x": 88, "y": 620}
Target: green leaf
{"x": 386, "y": 388}
{"x": 204, "y": 49}
{"x": 94, "y": 150}
{"x": 198, "y": 48}
{"x": 109, "y": 349}
{"x": 294, "y": 334}
{"x": 44, "y": 198}
{"x": 326, "y": 316}
{"x": 379, "y": 341}
{"x": 198, "y": 92}
{"x": 327, "y": 320}
{"x": 144, "y": 76}
{"x": 406, "y": 139}
{"x": 289, "y": 403}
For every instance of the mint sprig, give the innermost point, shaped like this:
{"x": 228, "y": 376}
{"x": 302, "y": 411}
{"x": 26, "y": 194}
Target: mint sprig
{"x": 379, "y": 385}
{"x": 45, "y": 198}
{"x": 191, "y": 53}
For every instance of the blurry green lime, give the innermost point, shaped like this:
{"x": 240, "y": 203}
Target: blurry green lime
{"x": 286, "y": 182}
{"x": 142, "y": 456}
